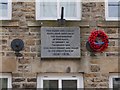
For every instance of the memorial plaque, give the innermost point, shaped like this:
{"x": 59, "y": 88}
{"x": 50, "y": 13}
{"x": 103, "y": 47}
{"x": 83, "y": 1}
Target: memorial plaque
{"x": 60, "y": 42}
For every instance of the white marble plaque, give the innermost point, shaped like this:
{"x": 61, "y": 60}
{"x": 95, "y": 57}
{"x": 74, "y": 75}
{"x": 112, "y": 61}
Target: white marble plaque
{"x": 60, "y": 42}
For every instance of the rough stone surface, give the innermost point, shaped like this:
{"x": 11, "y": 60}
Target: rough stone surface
{"x": 31, "y": 79}
{"x": 95, "y": 68}
{"x": 18, "y": 79}
{"x": 29, "y": 85}
{"x": 25, "y": 69}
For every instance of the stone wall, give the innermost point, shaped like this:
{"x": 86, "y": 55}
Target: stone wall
{"x": 24, "y": 26}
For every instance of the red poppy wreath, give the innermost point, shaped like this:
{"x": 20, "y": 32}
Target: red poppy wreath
{"x": 98, "y": 41}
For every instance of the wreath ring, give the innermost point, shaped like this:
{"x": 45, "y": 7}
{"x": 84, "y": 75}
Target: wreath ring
{"x": 98, "y": 41}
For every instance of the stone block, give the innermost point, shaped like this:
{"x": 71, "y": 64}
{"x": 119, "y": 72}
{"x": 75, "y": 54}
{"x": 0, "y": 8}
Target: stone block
{"x": 111, "y": 30}
{"x": 38, "y": 42}
{"x": 4, "y": 41}
{"x": 112, "y": 54}
{"x": 30, "y": 54}
{"x": 90, "y": 4}
{"x": 112, "y": 43}
{"x": 98, "y": 79}
{"x": 91, "y": 75}
{"x": 104, "y": 84}
{"x": 30, "y": 16}
{"x": 112, "y": 49}
{"x": 95, "y": 68}
{"x": 30, "y": 74}
{"x": 93, "y": 85}
{"x": 15, "y": 74}
{"x": 27, "y": 49}
{"x": 24, "y": 68}
{"x": 8, "y": 64}
{"x": 33, "y": 49}
{"x": 24, "y": 61}
{"x": 94, "y": 62}
{"x": 18, "y": 79}
{"x": 34, "y": 29}
{"x": 108, "y": 24}
{"x": 84, "y": 9}
{"x": 86, "y": 16}
{"x": 16, "y": 86}
{"x": 11, "y": 23}
{"x": 29, "y": 85}
{"x": 10, "y": 54}
{"x": 31, "y": 79}
{"x": 2, "y": 54}
{"x": 30, "y": 42}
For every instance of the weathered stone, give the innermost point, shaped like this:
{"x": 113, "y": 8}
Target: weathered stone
{"x": 112, "y": 49}
{"x": 2, "y": 54}
{"x": 112, "y": 54}
{"x": 30, "y": 42}
{"x": 84, "y": 9}
{"x": 34, "y": 29}
{"x": 108, "y": 24}
{"x": 103, "y": 84}
{"x": 98, "y": 79}
{"x": 4, "y": 48}
{"x": 32, "y": 79}
{"x": 24, "y": 68}
{"x": 24, "y": 61}
{"x": 17, "y": 74}
{"x": 91, "y": 4}
{"x": 10, "y": 54}
{"x": 27, "y": 49}
{"x": 30, "y": 74}
{"x": 33, "y": 49}
{"x": 94, "y": 62}
{"x": 8, "y": 64}
{"x": 10, "y": 23}
{"x": 30, "y": 54}
{"x": 15, "y": 85}
{"x": 4, "y": 41}
{"x": 112, "y": 43}
{"x": 92, "y": 75}
{"x": 21, "y": 67}
{"x": 24, "y": 26}
{"x": 30, "y": 16}
{"x": 38, "y": 42}
{"x": 29, "y": 85}
{"x": 105, "y": 75}
{"x": 95, "y": 68}
{"x": 111, "y": 30}
{"x": 94, "y": 85}
{"x": 18, "y": 79}
{"x": 86, "y": 16}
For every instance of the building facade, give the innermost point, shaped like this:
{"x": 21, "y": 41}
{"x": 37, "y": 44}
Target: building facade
{"x": 23, "y": 20}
